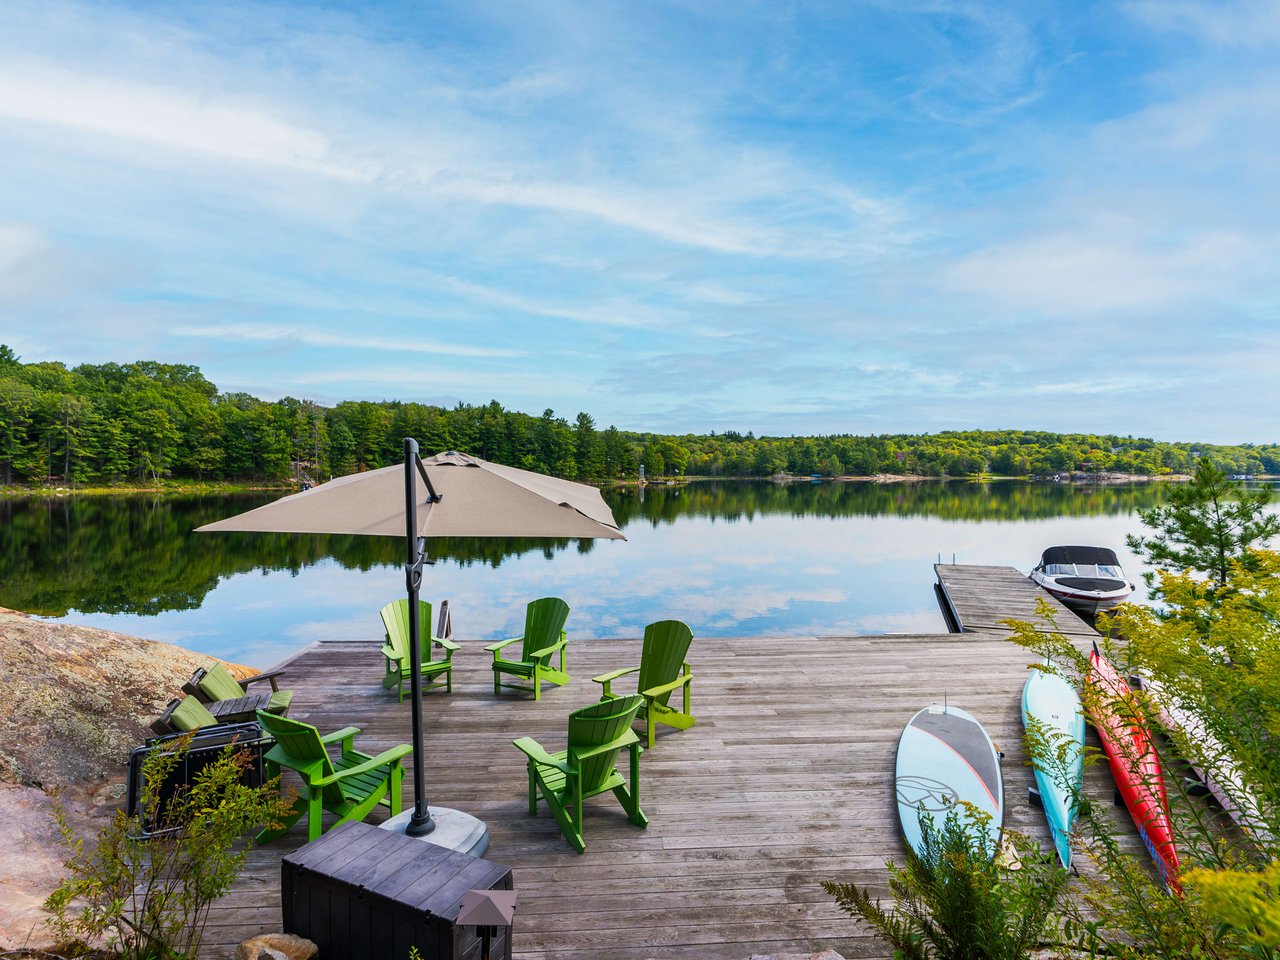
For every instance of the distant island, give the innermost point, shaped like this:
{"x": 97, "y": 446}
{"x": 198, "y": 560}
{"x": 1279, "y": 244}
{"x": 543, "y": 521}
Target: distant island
{"x": 147, "y": 423}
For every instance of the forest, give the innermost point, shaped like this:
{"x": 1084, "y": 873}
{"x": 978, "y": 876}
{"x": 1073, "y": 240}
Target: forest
{"x": 146, "y": 422}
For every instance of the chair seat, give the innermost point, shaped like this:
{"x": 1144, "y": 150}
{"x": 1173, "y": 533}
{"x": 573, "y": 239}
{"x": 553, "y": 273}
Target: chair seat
{"x": 355, "y": 789}
{"x": 430, "y": 668}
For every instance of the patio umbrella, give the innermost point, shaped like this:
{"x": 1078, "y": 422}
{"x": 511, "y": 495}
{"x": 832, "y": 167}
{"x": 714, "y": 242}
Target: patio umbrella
{"x": 448, "y": 495}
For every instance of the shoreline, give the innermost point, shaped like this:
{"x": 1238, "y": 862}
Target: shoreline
{"x": 203, "y": 489}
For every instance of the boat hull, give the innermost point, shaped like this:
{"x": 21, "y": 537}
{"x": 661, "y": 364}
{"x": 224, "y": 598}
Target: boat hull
{"x": 1134, "y": 764}
{"x": 1051, "y": 701}
{"x": 1082, "y": 601}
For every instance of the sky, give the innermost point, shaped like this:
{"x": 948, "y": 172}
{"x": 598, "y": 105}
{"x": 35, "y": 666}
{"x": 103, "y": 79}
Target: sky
{"x": 857, "y": 216}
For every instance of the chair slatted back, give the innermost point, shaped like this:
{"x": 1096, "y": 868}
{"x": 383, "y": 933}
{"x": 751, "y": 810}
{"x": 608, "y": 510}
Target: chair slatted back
{"x": 218, "y": 683}
{"x": 666, "y": 644}
{"x": 298, "y": 746}
{"x": 395, "y": 617}
{"x": 543, "y": 621}
{"x": 608, "y": 721}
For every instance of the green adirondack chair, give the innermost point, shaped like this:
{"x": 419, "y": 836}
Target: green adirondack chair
{"x": 543, "y": 636}
{"x": 395, "y": 617}
{"x": 183, "y": 716}
{"x": 215, "y": 685}
{"x": 663, "y": 669}
{"x": 588, "y": 767}
{"x": 350, "y": 786}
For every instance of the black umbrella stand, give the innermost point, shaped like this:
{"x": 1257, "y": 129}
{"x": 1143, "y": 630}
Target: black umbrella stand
{"x": 420, "y": 824}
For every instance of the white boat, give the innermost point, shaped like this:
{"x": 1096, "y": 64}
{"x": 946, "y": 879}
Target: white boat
{"x": 1086, "y": 579}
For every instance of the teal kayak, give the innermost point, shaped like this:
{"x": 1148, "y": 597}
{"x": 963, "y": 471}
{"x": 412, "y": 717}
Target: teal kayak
{"x": 1054, "y": 703}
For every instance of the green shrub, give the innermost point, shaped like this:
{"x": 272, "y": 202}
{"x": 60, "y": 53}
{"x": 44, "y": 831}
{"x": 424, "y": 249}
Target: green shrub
{"x": 955, "y": 902}
{"x": 150, "y": 899}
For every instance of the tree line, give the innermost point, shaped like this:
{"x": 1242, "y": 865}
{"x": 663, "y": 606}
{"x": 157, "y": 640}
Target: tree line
{"x": 146, "y": 421}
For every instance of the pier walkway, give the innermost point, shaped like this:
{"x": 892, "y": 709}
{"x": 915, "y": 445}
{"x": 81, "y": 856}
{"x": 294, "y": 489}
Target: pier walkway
{"x": 977, "y": 598}
{"x": 785, "y": 781}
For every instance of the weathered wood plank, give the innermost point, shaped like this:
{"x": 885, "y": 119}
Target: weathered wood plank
{"x": 749, "y": 810}
{"x": 981, "y": 598}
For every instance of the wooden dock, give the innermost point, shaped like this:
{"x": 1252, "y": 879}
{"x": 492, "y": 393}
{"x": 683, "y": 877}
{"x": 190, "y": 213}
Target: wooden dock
{"x": 976, "y": 598}
{"x": 785, "y": 781}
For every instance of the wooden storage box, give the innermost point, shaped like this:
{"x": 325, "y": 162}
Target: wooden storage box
{"x": 361, "y": 892}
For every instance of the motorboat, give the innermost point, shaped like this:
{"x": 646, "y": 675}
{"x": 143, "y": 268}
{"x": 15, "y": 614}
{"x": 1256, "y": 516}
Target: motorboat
{"x": 1086, "y": 579}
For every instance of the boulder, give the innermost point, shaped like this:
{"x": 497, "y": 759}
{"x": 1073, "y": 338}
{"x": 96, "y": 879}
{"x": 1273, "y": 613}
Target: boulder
{"x": 276, "y": 946}
{"x": 74, "y": 701}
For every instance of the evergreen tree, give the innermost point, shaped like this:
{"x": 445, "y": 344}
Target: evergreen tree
{"x": 1206, "y": 526}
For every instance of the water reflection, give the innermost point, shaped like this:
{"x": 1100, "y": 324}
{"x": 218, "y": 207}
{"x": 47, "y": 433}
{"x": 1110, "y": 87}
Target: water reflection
{"x": 732, "y": 558}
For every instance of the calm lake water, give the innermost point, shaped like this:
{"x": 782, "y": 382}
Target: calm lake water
{"x": 730, "y": 558}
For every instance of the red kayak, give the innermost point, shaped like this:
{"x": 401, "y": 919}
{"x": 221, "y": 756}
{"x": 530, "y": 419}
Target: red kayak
{"x": 1134, "y": 764}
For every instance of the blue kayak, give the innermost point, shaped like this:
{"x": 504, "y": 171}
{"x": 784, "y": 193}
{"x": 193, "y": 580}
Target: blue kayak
{"x": 1054, "y": 703}
{"x": 944, "y": 757}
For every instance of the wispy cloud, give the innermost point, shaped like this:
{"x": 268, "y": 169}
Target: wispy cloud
{"x": 317, "y": 338}
{"x": 878, "y": 215}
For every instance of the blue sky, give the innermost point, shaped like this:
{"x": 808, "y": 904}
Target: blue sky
{"x": 815, "y": 217}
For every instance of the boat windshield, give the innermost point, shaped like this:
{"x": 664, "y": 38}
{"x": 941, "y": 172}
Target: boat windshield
{"x": 1102, "y": 571}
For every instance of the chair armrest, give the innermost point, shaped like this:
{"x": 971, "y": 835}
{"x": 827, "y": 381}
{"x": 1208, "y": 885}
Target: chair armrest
{"x": 548, "y": 651}
{"x": 495, "y": 647}
{"x": 346, "y": 734}
{"x": 667, "y": 687}
{"x": 270, "y": 675}
{"x": 446, "y": 643}
{"x": 613, "y": 675}
{"x": 534, "y": 751}
{"x": 383, "y": 759}
{"x": 390, "y": 652}
{"x": 626, "y": 739}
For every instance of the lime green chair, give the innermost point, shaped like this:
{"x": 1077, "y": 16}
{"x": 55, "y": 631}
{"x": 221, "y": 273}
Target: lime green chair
{"x": 183, "y": 716}
{"x": 225, "y": 695}
{"x": 663, "y": 670}
{"x": 544, "y": 636}
{"x": 588, "y": 766}
{"x": 395, "y": 618}
{"x": 349, "y": 786}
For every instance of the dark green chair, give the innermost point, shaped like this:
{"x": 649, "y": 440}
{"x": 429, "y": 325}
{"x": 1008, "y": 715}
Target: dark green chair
{"x": 544, "y": 636}
{"x": 349, "y": 786}
{"x": 663, "y": 670}
{"x": 588, "y": 766}
{"x": 395, "y": 618}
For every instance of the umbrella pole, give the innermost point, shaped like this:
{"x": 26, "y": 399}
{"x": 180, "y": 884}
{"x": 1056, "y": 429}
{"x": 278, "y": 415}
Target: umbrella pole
{"x": 420, "y": 824}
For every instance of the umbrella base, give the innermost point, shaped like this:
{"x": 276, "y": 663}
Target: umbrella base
{"x": 454, "y": 830}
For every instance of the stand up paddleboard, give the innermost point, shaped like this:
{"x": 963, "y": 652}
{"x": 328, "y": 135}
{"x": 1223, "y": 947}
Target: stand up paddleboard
{"x": 945, "y": 757}
{"x": 1054, "y": 704}
{"x": 1134, "y": 765}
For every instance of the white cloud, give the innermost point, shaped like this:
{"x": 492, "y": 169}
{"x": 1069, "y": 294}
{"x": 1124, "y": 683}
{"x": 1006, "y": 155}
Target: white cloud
{"x": 18, "y": 241}
{"x": 1226, "y": 23}
{"x": 217, "y": 127}
{"x": 319, "y": 338}
{"x": 1096, "y": 271}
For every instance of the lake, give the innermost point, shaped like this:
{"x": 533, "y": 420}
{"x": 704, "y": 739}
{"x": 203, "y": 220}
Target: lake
{"x": 731, "y": 558}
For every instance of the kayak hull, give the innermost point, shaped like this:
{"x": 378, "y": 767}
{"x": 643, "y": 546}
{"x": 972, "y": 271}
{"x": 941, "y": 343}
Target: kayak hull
{"x": 1134, "y": 765}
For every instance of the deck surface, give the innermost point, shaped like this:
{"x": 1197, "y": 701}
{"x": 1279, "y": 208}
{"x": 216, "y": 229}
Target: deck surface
{"x": 786, "y": 780}
{"x": 981, "y": 597}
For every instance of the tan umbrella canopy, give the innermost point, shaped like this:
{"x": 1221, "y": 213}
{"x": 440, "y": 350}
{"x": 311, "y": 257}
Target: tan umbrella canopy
{"x": 448, "y": 495}
{"x": 476, "y": 499}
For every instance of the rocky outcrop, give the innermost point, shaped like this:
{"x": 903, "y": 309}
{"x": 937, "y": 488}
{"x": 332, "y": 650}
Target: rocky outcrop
{"x": 73, "y": 702}
{"x": 276, "y": 946}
